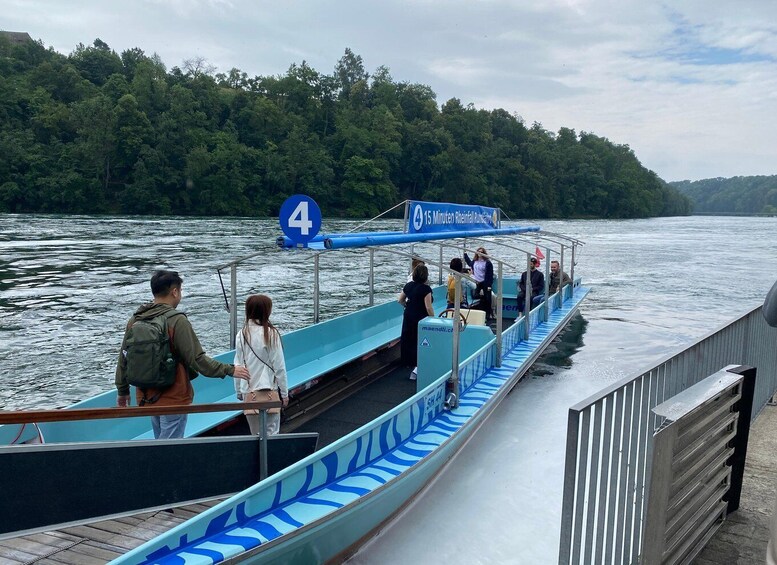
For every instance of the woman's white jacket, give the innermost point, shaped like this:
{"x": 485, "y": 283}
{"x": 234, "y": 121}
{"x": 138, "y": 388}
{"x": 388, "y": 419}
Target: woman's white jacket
{"x": 271, "y": 353}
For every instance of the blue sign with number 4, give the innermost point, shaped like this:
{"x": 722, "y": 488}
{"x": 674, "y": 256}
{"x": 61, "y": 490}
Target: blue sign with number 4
{"x": 300, "y": 218}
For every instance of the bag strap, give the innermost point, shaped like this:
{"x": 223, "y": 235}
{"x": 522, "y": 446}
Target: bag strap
{"x": 265, "y": 363}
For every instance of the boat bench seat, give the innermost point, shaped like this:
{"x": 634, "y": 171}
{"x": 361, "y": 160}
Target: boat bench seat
{"x": 301, "y": 374}
{"x": 316, "y": 350}
{"x": 474, "y": 317}
{"x": 510, "y": 288}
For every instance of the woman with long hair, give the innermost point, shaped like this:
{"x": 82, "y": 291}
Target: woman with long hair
{"x": 464, "y": 284}
{"x": 258, "y": 347}
{"x": 483, "y": 273}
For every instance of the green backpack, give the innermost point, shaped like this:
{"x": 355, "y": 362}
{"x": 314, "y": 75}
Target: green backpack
{"x": 150, "y": 362}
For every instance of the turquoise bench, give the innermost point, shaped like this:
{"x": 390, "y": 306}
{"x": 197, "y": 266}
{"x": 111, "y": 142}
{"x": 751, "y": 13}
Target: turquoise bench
{"x": 320, "y": 348}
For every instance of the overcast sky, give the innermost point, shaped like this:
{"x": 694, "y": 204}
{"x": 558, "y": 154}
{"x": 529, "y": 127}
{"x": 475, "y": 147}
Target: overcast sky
{"x": 689, "y": 85}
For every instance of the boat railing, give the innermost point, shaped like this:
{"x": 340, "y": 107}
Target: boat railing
{"x": 35, "y": 417}
{"x": 608, "y": 433}
{"x": 456, "y": 306}
{"x": 231, "y": 302}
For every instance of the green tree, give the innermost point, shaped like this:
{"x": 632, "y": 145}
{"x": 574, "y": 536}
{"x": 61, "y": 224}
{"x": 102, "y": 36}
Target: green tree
{"x": 96, "y": 63}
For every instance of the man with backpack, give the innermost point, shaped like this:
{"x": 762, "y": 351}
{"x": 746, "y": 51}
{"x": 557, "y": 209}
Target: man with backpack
{"x": 160, "y": 354}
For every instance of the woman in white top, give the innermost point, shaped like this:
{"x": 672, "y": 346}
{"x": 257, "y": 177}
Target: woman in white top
{"x": 258, "y": 347}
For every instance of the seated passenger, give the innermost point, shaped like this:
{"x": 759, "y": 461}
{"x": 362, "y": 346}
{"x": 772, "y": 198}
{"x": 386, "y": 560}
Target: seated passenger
{"x": 537, "y": 286}
{"x": 458, "y": 266}
{"x": 555, "y": 268}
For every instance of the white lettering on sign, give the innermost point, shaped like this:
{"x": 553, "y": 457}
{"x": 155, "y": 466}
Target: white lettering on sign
{"x": 300, "y": 219}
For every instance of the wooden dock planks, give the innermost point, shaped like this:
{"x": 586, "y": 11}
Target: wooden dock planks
{"x": 95, "y": 543}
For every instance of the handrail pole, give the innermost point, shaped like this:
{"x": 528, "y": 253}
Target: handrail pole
{"x": 547, "y": 283}
{"x": 562, "y": 236}
{"x": 315, "y": 288}
{"x": 243, "y": 258}
{"x": 412, "y": 256}
{"x": 40, "y": 416}
{"x": 440, "y": 283}
{"x": 263, "y": 447}
{"x": 372, "y": 276}
{"x": 233, "y": 305}
{"x": 500, "y": 278}
{"x": 456, "y": 337}
{"x": 515, "y": 247}
{"x": 561, "y": 276}
{"x": 429, "y": 261}
{"x": 572, "y": 266}
{"x": 527, "y": 296}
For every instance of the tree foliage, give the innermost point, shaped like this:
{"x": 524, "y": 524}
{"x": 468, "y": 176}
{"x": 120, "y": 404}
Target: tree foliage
{"x": 737, "y": 195}
{"x": 101, "y": 132}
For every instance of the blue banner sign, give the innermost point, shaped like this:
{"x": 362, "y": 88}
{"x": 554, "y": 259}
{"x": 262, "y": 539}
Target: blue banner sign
{"x": 300, "y": 219}
{"x": 434, "y": 217}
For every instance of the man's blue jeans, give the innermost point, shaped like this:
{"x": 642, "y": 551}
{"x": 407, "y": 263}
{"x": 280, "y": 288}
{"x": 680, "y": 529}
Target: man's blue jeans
{"x": 535, "y": 300}
{"x": 169, "y": 427}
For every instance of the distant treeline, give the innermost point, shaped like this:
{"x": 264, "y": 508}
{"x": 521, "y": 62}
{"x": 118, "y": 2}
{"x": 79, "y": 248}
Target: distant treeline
{"x": 98, "y": 132}
{"x": 737, "y": 195}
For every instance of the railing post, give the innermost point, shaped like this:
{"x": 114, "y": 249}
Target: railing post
{"x": 572, "y": 265}
{"x": 372, "y": 276}
{"x": 570, "y": 481}
{"x": 233, "y": 304}
{"x": 547, "y": 282}
{"x": 456, "y": 331}
{"x": 527, "y": 296}
{"x": 440, "y": 282}
{"x": 315, "y": 289}
{"x": 745, "y": 408}
{"x": 263, "y": 447}
{"x": 561, "y": 274}
{"x": 500, "y": 278}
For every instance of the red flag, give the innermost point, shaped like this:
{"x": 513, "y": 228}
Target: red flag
{"x": 539, "y": 254}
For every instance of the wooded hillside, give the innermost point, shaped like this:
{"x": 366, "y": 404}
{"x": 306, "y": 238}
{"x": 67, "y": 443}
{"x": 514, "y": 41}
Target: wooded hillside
{"x": 101, "y": 132}
{"x": 737, "y": 195}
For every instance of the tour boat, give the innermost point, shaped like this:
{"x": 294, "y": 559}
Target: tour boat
{"x": 382, "y": 438}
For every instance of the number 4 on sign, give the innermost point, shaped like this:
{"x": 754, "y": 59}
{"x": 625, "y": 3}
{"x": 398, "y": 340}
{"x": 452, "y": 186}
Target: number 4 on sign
{"x": 300, "y": 218}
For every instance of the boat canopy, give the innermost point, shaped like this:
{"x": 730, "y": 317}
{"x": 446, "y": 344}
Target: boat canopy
{"x": 367, "y": 239}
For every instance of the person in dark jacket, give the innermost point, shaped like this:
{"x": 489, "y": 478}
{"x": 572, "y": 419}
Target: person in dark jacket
{"x": 187, "y": 351}
{"x": 537, "y": 286}
{"x": 483, "y": 273}
{"x": 557, "y": 274}
{"x": 416, "y": 297}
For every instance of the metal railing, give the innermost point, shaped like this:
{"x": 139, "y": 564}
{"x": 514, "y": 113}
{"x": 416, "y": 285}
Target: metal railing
{"x": 694, "y": 473}
{"x": 607, "y": 439}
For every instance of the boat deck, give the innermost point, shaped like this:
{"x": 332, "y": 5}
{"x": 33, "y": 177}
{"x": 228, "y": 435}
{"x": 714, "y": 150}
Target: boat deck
{"x": 361, "y": 407}
{"x": 96, "y": 543}
{"x": 370, "y": 402}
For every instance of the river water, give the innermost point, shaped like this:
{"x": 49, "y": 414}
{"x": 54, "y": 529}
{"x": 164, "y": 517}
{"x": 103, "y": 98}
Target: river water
{"x": 68, "y": 285}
